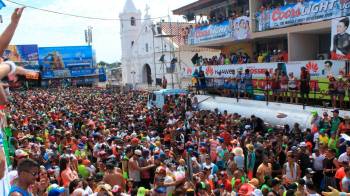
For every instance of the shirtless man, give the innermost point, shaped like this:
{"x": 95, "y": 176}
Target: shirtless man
{"x": 114, "y": 177}
{"x": 134, "y": 168}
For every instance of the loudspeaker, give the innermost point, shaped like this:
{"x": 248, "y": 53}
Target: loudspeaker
{"x": 195, "y": 59}
{"x": 162, "y": 58}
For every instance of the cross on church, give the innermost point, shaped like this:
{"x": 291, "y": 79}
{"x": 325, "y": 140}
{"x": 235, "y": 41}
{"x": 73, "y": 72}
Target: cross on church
{"x": 147, "y": 9}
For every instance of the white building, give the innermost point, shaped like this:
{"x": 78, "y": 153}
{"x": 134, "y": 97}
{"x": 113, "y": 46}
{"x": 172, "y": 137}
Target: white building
{"x": 144, "y": 42}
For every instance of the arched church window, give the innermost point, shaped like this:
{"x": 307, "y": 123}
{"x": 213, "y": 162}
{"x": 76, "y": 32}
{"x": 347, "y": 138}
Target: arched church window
{"x": 132, "y": 21}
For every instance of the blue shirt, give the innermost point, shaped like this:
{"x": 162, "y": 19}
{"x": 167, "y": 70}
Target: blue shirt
{"x": 17, "y": 189}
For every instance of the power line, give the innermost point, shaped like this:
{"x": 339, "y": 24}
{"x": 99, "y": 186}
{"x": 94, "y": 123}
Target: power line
{"x": 78, "y": 16}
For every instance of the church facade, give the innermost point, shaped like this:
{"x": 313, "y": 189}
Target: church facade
{"x": 149, "y": 47}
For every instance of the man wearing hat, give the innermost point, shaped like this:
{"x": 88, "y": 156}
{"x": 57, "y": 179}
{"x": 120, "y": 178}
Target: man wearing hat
{"x": 134, "y": 169}
{"x": 309, "y": 174}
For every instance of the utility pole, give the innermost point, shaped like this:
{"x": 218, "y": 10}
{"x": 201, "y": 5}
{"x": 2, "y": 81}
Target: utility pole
{"x": 88, "y": 35}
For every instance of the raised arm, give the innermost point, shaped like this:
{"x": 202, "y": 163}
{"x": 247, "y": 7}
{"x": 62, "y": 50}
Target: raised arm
{"x": 7, "y": 35}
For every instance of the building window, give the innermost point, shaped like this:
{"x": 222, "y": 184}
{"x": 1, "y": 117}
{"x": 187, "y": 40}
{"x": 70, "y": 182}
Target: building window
{"x": 146, "y": 47}
{"x": 132, "y": 21}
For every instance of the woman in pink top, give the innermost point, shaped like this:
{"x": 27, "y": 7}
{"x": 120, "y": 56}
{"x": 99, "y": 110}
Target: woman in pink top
{"x": 66, "y": 173}
{"x": 213, "y": 145}
{"x": 284, "y": 86}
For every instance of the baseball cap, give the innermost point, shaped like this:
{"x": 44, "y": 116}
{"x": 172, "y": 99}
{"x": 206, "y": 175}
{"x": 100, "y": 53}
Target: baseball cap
{"x": 275, "y": 182}
{"x": 310, "y": 171}
{"x": 335, "y": 111}
{"x": 86, "y": 162}
{"x": 19, "y": 153}
{"x": 247, "y": 127}
{"x": 55, "y": 190}
{"x": 302, "y": 144}
{"x": 81, "y": 146}
{"x": 138, "y": 152}
{"x": 142, "y": 191}
{"x": 116, "y": 189}
{"x": 135, "y": 140}
{"x": 245, "y": 189}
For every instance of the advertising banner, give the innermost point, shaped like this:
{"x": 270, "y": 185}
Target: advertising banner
{"x": 23, "y": 55}
{"x": 318, "y": 69}
{"x": 84, "y": 72}
{"x": 66, "y": 73}
{"x": 237, "y": 29}
{"x": 299, "y": 13}
{"x": 340, "y": 43}
{"x": 55, "y": 58}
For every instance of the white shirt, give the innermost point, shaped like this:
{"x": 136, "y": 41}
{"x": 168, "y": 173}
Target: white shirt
{"x": 314, "y": 194}
{"x": 344, "y": 158}
{"x": 171, "y": 121}
{"x": 318, "y": 161}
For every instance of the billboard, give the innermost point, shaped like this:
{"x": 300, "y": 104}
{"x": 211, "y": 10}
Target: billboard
{"x": 237, "y": 29}
{"x": 299, "y": 13}
{"x": 65, "y": 57}
{"x": 23, "y": 55}
{"x": 340, "y": 43}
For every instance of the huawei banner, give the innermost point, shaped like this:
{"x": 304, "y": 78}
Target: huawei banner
{"x": 340, "y": 43}
{"x": 318, "y": 69}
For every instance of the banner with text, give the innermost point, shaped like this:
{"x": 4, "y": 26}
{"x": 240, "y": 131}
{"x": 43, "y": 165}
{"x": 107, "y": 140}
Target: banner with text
{"x": 299, "y": 13}
{"x": 237, "y": 29}
{"x": 318, "y": 69}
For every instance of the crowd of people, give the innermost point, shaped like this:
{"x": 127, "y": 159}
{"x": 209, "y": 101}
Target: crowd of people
{"x": 271, "y": 56}
{"x": 90, "y": 141}
{"x": 222, "y": 59}
{"x": 272, "y": 4}
{"x": 241, "y": 58}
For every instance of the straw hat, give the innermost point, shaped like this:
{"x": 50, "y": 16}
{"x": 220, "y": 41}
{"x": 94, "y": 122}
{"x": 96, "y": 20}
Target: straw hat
{"x": 254, "y": 182}
{"x": 238, "y": 151}
{"x": 250, "y": 147}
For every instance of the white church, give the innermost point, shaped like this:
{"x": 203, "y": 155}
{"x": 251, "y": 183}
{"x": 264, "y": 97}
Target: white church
{"x": 145, "y": 41}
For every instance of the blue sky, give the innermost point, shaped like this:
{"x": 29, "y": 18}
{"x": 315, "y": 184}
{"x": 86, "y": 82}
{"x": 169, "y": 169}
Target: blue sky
{"x": 46, "y": 29}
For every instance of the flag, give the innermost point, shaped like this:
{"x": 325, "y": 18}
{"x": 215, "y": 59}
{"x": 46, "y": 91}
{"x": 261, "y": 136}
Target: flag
{"x": 2, "y": 4}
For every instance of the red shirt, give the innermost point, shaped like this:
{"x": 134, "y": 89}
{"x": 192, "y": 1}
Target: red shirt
{"x": 227, "y": 184}
{"x": 148, "y": 121}
{"x": 226, "y": 136}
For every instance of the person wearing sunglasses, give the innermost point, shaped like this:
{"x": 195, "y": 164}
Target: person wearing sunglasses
{"x": 28, "y": 171}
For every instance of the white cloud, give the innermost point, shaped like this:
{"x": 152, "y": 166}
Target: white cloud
{"x": 46, "y": 29}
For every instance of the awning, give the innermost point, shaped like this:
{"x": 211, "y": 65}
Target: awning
{"x": 197, "y": 5}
